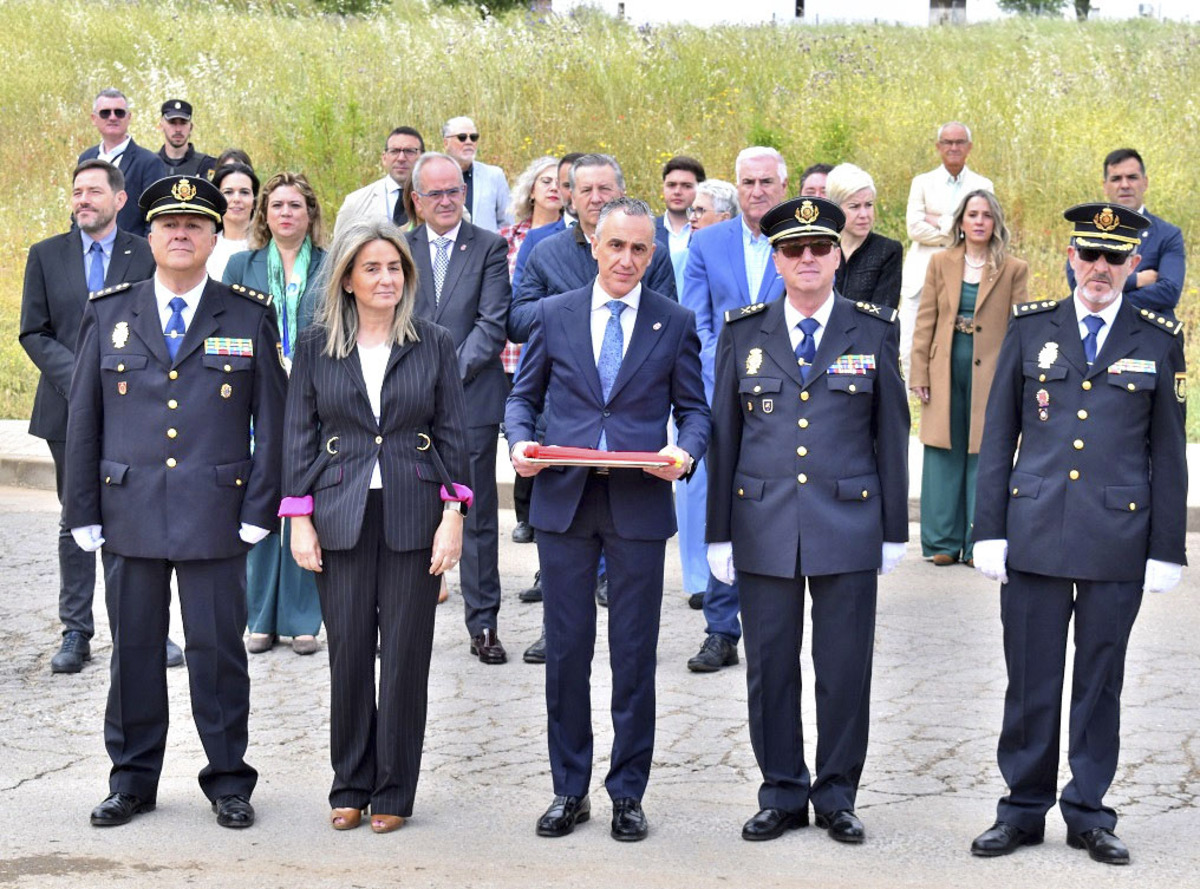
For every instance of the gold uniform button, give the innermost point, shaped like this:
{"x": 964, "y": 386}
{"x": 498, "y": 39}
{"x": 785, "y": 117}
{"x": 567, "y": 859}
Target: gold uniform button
{"x": 378, "y": 439}
{"x": 1087, "y": 384}
{"x": 171, "y": 433}
{"x": 1074, "y": 474}
{"x": 802, "y": 423}
{"x": 1133, "y": 507}
{"x": 758, "y": 389}
{"x": 172, "y": 404}
{"x": 228, "y": 368}
{"x": 802, "y": 451}
{"x": 804, "y": 396}
{"x": 173, "y": 375}
{"x": 802, "y": 478}
{"x": 238, "y": 482}
{"x": 1041, "y": 378}
{"x": 1016, "y": 491}
{"x": 741, "y": 492}
{"x": 120, "y": 367}
{"x": 866, "y": 494}
{"x": 1083, "y": 415}
{"x": 108, "y": 479}
{"x": 1130, "y": 387}
{"x": 1078, "y": 444}
{"x": 171, "y": 462}
{"x": 852, "y": 388}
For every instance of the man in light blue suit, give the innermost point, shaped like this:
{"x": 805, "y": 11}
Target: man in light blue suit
{"x": 729, "y": 266}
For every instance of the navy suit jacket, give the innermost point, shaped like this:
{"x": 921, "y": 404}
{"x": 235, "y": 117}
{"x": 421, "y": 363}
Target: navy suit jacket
{"x": 659, "y": 376}
{"x": 661, "y": 236}
{"x": 1161, "y": 250}
{"x": 141, "y": 167}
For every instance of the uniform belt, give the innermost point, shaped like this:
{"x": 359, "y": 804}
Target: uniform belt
{"x": 964, "y": 324}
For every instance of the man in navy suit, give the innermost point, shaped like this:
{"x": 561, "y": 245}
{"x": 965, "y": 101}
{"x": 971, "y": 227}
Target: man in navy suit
{"x": 1158, "y": 281}
{"x": 140, "y": 166}
{"x": 728, "y": 267}
{"x": 613, "y": 360}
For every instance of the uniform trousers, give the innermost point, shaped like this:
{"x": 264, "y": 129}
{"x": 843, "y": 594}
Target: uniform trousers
{"x": 371, "y": 592}
{"x": 843, "y": 640}
{"x": 635, "y": 576}
{"x": 1036, "y": 612}
{"x": 212, "y": 602}
{"x": 479, "y": 571}
{"x": 76, "y": 567}
{"x": 281, "y": 596}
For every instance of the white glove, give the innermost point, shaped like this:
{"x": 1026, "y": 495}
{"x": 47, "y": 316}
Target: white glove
{"x": 1161, "y": 577}
{"x": 720, "y": 561}
{"x": 89, "y": 538}
{"x": 252, "y": 534}
{"x": 990, "y": 558}
{"x": 892, "y": 554}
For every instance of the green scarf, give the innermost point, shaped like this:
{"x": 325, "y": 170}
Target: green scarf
{"x": 287, "y": 296}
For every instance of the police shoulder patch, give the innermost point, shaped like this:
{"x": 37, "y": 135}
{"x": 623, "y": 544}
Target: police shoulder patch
{"x": 1161, "y": 322}
{"x": 744, "y": 312}
{"x": 876, "y": 311}
{"x": 262, "y": 299}
{"x": 1034, "y": 308}
{"x": 109, "y": 291}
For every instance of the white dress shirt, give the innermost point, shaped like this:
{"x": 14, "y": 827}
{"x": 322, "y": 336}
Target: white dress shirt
{"x": 1108, "y": 313}
{"x": 114, "y": 156}
{"x": 373, "y": 361}
{"x": 163, "y": 297}
{"x": 793, "y": 316}
{"x": 433, "y": 236}
{"x": 601, "y": 314}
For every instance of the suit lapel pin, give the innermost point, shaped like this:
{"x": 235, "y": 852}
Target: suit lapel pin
{"x": 657, "y": 325}
{"x": 226, "y": 390}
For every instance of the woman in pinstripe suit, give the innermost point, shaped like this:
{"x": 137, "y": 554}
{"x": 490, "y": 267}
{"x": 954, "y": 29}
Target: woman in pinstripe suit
{"x": 374, "y": 398}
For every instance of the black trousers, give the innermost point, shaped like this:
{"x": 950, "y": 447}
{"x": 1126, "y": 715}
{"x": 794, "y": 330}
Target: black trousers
{"x": 368, "y": 593}
{"x": 479, "y": 571}
{"x": 212, "y": 601}
{"x": 76, "y": 568}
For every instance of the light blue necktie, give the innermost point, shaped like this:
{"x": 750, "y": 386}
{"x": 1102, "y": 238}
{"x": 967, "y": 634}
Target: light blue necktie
{"x": 95, "y": 278}
{"x": 173, "y": 332}
{"x": 1093, "y": 324}
{"x": 806, "y": 350}
{"x": 441, "y": 262}
{"x": 609, "y": 363}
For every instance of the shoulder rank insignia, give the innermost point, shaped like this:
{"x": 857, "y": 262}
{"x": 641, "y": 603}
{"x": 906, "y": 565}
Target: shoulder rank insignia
{"x": 1033, "y": 308}
{"x": 263, "y": 299}
{"x": 1156, "y": 320}
{"x": 109, "y": 291}
{"x": 877, "y": 311}
{"x": 744, "y": 312}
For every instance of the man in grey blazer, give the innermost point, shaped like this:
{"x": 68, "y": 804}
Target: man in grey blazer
{"x": 383, "y": 198}
{"x": 462, "y": 272}
{"x": 487, "y": 188}
{"x": 58, "y": 275}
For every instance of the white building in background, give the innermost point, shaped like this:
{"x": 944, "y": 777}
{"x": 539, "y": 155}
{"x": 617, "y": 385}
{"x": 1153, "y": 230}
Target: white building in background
{"x": 905, "y": 12}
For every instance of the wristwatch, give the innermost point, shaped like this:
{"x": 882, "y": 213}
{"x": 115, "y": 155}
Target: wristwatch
{"x": 457, "y": 506}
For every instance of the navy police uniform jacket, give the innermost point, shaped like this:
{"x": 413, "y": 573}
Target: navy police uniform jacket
{"x": 817, "y": 468}
{"x": 1100, "y": 480}
{"x": 158, "y": 451}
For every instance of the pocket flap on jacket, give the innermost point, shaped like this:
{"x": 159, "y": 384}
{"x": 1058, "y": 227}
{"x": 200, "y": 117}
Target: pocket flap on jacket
{"x": 1023, "y": 484}
{"x": 1127, "y": 498}
{"x": 232, "y": 475}
{"x": 426, "y": 473}
{"x": 228, "y": 363}
{"x": 1043, "y": 374}
{"x": 853, "y": 384}
{"x": 113, "y": 473}
{"x": 122, "y": 363}
{"x": 758, "y": 385}
{"x": 330, "y": 476}
{"x": 860, "y": 487}
{"x": 1132, "y": 382}
{"x": 747, "y": 488}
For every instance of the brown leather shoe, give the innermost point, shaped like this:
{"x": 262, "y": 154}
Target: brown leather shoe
{"x": 386, "y": 823}
{"x": 488, "y": 648}
{"x": 942, "y": 560}
{"x": 345, "y": 819}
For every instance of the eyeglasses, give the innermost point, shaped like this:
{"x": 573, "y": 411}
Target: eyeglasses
{"x": 463, "y": 137}
{"x": 953, "y": 143}
{"x": 106, "y": 113}
{"x": 696, "y": 212}
{"x": 407, "y": 152}
{"x": 442, "y": 193}
{"x": 1090, "y": 254}
{"x": 794, "y": 250}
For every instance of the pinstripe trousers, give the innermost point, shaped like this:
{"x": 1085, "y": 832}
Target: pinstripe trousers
{"x": 371, "y": 592}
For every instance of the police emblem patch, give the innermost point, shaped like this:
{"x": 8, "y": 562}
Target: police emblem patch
{"x": 754, "y": 361}
{"x": 120, "y": 334}
{"x": 1048, "y": 355}
{"x": 183, "y": 190}
{"x": 1106, "y": 220}
{"x": 1181, "y": 387}
{"x": 807, "y": 213}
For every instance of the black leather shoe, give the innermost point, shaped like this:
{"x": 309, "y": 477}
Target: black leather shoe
{"x": 487, "y": 647}
{"x": 715, "y": 653}
{"x": 770, "y": 824}
{"x": 523, "y": 533}
{"x": 843, "y": 826}
{"x": 1102, "y": 844}
{"x": 74, "y": 651}
{"x": 602, "y": 591}
{"x": 174, "y": 654}
{"x": 562, "y": 816}
{"x": 536, "y": 653}
{"x": 1003, "y": 838}
{"x": 233, "y": 811}
{"x": 119, "y": 808}
{"x": 534, "y": 593}
{"x": 629, "y": 821}
{"x": 696, "y": 601}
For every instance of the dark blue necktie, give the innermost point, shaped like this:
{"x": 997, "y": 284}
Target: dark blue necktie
{"x": 173, "y": 332}
{"x": 609, "y": 363}
{"x": 95, "y": 275}
{"x": 1093, "y": 324}
{"x": 806, "y": 350}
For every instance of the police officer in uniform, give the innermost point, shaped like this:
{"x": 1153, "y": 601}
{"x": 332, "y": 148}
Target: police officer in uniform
{"x": 169, "y": 375}
{"x": 1092, "y": 514}
{"x": 808, "y": 486}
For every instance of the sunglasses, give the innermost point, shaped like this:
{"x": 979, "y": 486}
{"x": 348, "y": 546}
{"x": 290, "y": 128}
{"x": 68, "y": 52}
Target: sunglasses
{"x": 1090, "y": 254}
{"x": 463, "y": 137}
{"x": 792, "y": 250}
{"x": 106, "y": 113}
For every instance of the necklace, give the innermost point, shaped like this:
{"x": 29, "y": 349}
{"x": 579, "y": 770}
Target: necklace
{"x": 975, "y": 265}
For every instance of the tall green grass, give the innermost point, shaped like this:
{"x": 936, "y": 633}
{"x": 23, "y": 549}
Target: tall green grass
{"x": 1046, "y": 101}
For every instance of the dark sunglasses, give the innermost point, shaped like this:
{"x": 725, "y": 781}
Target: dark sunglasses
{"x": 106, "y": 113}
{"x": 463, "y": 137}
{"x": 1090, "y": 254}
{"x": 793, "y": 250}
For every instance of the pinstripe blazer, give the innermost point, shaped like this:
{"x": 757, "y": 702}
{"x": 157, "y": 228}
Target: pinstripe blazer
{"x": 329, "y": 419}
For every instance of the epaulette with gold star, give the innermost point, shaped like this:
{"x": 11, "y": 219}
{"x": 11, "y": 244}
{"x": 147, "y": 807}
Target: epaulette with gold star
{"x": 263, "y": 299}
{"x": 744, "y": 312}
{"x": 875, "y": 311}
{"x": 1033, "y": 308}
{"x": 109, "y": 291}
{"x": 1161, "y": 322}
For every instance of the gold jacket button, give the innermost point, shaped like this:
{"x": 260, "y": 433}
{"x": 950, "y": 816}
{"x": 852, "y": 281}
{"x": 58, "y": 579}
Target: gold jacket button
{"x": 1083, "y": 415}
{"x": 172, "y": 404}
{"x": 802, "y": 478}
{"x": 802, "y": 451}
{"x": 171, "y": 462}
{"x": 238, "y": 482}
{"x": 866, "y": 494}
{"x": 120, "y": 367}
{"x": 1086, "y": 384}
{"x": 1016, "y": 491}
{"x": 741, "y": 492}
{"x": 1133, "y": 507}
{"x": 802, "y": 423}
{"x": 758, "y": 388}
{"x": 171, "y": 433}
{"x": 1041, "y": 378}
{"x": 804, "y": 396}
{"x": 852, "y": 388}
{"x": 378, "y": 439}
{"x": 1130, "y": 387}
{"x": 108, "y": 479}
{"x": 228, "y": 368}
{"x": 1074, "y": 475}
{"x": 173, "y": 375}
{"x": 1078, "y": 444}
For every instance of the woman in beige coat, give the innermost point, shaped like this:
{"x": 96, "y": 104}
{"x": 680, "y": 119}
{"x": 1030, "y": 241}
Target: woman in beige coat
{"x": 969, "y": 293}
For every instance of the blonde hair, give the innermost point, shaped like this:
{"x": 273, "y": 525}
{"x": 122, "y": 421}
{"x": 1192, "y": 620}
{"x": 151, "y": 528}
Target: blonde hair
{"x": 846, "y": 180}
{"x": 260, "y": 233}
{"x": 998, "y": 245}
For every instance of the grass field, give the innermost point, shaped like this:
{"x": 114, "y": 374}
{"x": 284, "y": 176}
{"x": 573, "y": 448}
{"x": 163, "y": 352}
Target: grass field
{"x": 1046, "y": 100}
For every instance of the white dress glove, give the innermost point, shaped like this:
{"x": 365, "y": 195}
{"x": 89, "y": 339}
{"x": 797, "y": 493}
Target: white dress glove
{"x": 991, "y": 557}
{"x": 89, "y": 538}
{"x": 252, "y": 534}
{"x": 1161, "y": 577}
{"x": 720, "y": 561}
{"x": 892, "y": 554}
